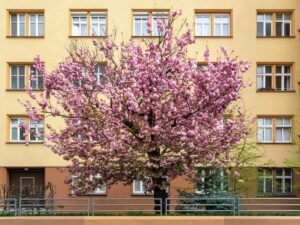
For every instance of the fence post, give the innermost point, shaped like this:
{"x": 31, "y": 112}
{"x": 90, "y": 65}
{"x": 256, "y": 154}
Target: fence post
{"x": 166, "y": 206}
{"x": 88, "y": 207}
{"x": 238, "y": 206}
{"x": 20, "y": 207}
{"x": 93, "y": 212}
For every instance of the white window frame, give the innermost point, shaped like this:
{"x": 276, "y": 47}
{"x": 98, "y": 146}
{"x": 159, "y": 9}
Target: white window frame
{"x": 283, "y": 178}
{"x": 141, "y": 187}
{"x": 197, "y": 191}
{"x": 264, "y": 177}
{"x": 99, "y": 190}
{"x": 163, "y": 16}
{"x": 36, "y": 24}
{"x": 34, "y": 73}
{"x": 20, "y": 121}
{"x": 80, "y": 23}
{"x": 141, "y": 16}
{"x": 36, "y": 125}
{"x": 18, "y": 24}
{"x": 200, "y": 19}
{"x": 282, "y": 76}
{"x": 264, "y": 75}
{"x": 265, "y": 127}
{"x": 99, "y": 23}
{"x": 18, "y": 76}
{"x": 284, "y": 21}
{"x": 265, "y": 21}
{"x": 99, "y": 75}
{"x": 282, "y": 127}
{"x": 222, "y": 15}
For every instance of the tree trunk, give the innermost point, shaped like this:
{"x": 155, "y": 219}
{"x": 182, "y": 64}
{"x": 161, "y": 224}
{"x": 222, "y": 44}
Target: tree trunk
{"x": 160, "y": 198}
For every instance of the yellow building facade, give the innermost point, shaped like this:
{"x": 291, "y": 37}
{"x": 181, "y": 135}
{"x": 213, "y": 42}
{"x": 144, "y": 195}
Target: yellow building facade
{"x": 266, "y": 33}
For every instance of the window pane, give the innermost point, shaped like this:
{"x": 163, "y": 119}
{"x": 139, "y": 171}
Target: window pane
{"x": 137, "y": 186}
{"x": 279, "y": 172}
{"x": 260, "y": 69}
{"x": 279, "y": 185}
{"x": 22, "y": 82}
{"x": 279, "y": 29}
{"x": 22, "y": 29}
{"x": 288, "y": 172}
{"x": 287, "y": 121}
{"x": 260, "y": 29}
{"x": 40, "y": 29}
{"x": 287, "y": 134}
{"x": 22, "y": 133}
{"x": 268, "y": 121}
{"x": 268, "y": 82}
{"x": 32, "y": 134}
{"x": 287, "y": 83}
{"x": 268, "y": 69}
{"x": 288, "y": 185}
{"x": 14, "y": 134}
{"x": 269, "y": 185}
{"x": 287, "y": 29}
{"x": 268, "y": 134}
{"x": 268, "y": 29}
{"x": 137, "y": 28}
{"x": 279, "y": 122}
{"x": 278, "y": 83}
{"x": 260, "y": 135}
{"x": 287, "y": 69}
{"x": 14, "y": 82}
{"x": 83, "y": 29}
{"x": 260, "y": 83}
{"x": 279, "y": 134}
{"x": 260, "y": 122}
{"x": 278, "y": 69}
{"x": 226, "y": 30}
{"x": 217, "y": 30}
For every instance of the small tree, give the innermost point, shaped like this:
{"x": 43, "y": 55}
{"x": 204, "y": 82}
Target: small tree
{"x": 157, "y": 115}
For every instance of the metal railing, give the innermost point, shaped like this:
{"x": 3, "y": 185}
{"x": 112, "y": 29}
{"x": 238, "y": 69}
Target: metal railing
{"x": 53, "y": 206}
{"x": 148, "y": 206}
{"x": 206, "y": 206}
{"x": 8, "y": 206}
{"x": 250, "y": 206}
{"x": 139, "y": 205}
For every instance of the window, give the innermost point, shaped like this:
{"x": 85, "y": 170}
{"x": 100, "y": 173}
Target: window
{"x": 99, "y": 73}
{"x": 99, "y": 190}
{"x": 139, "y": 187}
{"x": 140, "y": 24}
{"x": 36, "y": 24}
{"x": 140, "y": 20}
{"x": 163, "y": 17}
{"x": 17, "y": 133}
{"x": 278, "y": 24}
{"x": 265, "y": 130}
{"x": 265, "y": 180}
{"x": 264, "y": 77}
{"x": 280, "y": 126}
{"x": 275, "y": 181}
{"x": 79, "y": 24}
{"x": 36, "y": 131}
{"x": 210, "y": 180}
{"x": 283, "y": 78}
{"x": 213, "y": 24}
{"x": 221, "y": 25}
{"x": 17, "y": 77}
{"x": 24, "y": 75}
{"x": 264, "y": 25}
{"x": 36, "y": 79}
{"x": 98, "y": 24}
{"x": 27, "y": 24}
{"x": 275, "y": 77}
{"x": 203, "y": 25}
{"x": 283, "y": 130}
{"x": 284, "y": 181}
{"x": 89, "y": 23}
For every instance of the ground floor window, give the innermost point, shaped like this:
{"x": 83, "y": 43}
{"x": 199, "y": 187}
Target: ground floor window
{"x": 275, "y": 180}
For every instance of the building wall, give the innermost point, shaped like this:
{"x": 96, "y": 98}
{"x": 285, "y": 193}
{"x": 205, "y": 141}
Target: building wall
{"x": 52, "y": 49}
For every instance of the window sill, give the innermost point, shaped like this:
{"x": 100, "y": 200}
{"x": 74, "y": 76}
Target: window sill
{"x": 280, "y": 37}
{"x": 23, "y": 142}
{"x": 34, "y": 37}
{"x": 140, "y": 194}
{"x": 278, "y": 195}
{"x": 72, "y": 36}
{"x": 273, "y": 91}
{"x": 8, "y": 89}
{"x": 213, "y": 36}
{"x": 275, "y": 143}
